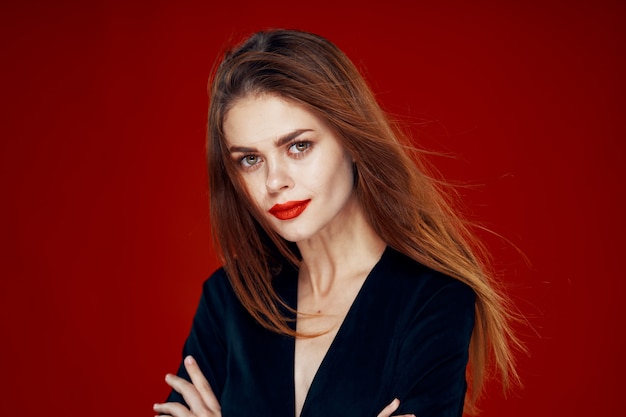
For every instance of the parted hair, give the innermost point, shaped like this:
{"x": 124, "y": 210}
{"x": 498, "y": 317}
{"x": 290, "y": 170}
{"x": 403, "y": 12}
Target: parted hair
{"x": 408, "y": 209}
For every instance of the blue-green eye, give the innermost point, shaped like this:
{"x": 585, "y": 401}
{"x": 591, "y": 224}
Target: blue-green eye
{"x": 249, "y": 160}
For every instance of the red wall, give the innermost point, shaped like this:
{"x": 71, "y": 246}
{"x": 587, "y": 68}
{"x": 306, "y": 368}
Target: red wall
{"x": 104, "y": 213}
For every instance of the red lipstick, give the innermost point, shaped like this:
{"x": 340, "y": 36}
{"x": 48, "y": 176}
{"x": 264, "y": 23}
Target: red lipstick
{"x": 289, "y": 210}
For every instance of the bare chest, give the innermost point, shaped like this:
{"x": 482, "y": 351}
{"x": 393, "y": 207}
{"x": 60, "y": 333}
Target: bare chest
{"x": 325, "y": 321}
{"x": 310, "y": 352}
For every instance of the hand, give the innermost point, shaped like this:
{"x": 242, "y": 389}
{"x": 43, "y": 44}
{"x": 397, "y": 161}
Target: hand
{"x": 393, "y": 406}
{"x": 198, "y": 394}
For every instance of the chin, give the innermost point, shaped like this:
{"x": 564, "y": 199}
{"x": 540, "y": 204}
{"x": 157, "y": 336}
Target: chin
{"x": 293, "y": 236}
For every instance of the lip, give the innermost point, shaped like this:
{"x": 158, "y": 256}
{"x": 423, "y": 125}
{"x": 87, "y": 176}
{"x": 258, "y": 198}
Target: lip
{"x": 289, "y": 210}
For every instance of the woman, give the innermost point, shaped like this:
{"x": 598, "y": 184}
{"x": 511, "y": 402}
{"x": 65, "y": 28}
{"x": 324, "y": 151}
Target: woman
{"x": 349, "y": 287}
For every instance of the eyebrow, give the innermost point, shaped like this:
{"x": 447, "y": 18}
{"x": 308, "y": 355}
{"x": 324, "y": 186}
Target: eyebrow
{"x": 284, "y": 139}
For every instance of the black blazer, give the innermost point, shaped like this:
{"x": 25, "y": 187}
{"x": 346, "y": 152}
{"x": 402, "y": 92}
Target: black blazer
{"x": 406, "y": 335}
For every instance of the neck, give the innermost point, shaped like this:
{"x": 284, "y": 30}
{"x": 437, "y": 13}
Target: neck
{"x": 346, "y": 249}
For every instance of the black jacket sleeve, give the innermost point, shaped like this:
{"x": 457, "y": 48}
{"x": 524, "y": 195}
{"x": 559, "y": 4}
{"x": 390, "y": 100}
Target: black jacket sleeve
{"x": 206, "y": 339}
{"x": 430, "y": 378}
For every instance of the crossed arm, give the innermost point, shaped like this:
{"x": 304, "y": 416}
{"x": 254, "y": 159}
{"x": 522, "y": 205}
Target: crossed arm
{"x": 203, "y": 402}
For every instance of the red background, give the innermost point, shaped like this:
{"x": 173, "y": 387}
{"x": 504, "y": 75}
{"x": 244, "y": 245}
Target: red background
{"x": 104, "y": 212}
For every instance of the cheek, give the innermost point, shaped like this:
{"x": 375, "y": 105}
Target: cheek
{"x": 335, "y": 183}
{"x": 255, "y": 188}
{"x": 344, "y": 173}
{"x": 333, "y": 171}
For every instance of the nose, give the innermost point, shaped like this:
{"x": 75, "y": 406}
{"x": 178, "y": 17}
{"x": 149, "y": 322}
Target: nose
{"x": 278, "y": 178}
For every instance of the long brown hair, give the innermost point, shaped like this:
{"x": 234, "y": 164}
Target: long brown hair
{"x": 407, "y": 208}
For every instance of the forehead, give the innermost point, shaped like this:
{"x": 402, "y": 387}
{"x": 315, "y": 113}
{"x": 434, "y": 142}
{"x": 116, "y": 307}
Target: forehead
{"x": 259, "y": 118}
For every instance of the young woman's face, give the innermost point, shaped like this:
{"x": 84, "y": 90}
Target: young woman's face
{"x": 292, "y": 164}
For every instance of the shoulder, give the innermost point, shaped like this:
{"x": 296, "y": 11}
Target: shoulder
{"x": 407, "y": 272}
{"x": 219, "y": 278}
{"x": 217, "y": 290}
{"x": 418, "y": 285}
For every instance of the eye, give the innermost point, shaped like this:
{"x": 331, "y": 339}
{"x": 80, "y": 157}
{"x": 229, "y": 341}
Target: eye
{"x": 299, "y": 147}
{"x": 249, "y": 161}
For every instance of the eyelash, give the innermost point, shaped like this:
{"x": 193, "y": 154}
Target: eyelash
{"x": 301, "y": 153}
{"x": 297, "y": 155}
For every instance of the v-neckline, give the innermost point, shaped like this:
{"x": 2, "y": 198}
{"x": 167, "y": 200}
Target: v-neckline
{"x": 337, "y": 336}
